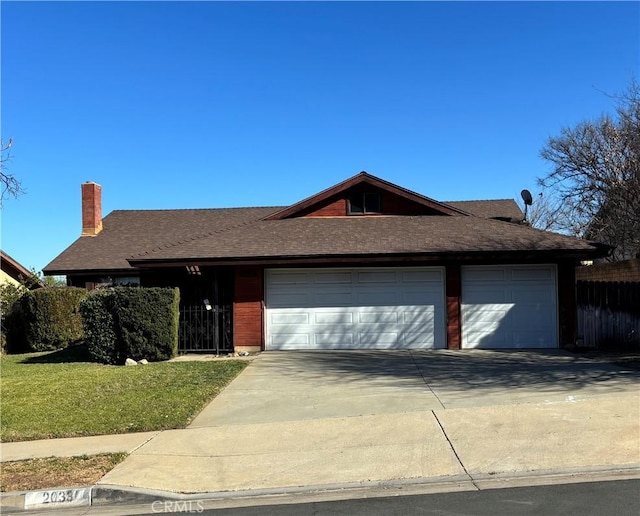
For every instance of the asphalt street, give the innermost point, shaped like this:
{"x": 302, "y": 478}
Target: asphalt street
{"x": 621, "y": 498}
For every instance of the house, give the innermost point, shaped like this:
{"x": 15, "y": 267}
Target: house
{"x": 364, "y": 264}
{"x": 11, "y": 271}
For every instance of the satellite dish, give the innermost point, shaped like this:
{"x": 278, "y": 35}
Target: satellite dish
{"x": 528, "y": 201}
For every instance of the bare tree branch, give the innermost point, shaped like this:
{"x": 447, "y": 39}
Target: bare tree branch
{"x": 11, "y": 186}
{"x": 594, "y": 182}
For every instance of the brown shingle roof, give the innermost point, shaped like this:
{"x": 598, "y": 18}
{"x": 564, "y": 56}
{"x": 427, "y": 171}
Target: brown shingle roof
{"x": 354, "y": 236}
{"x": 240, "y": 233}
{"x": 490, "y": 209}
{"x": 131, "y": 232}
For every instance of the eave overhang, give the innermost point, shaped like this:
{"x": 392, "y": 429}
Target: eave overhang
{"x": 506, "y": 256}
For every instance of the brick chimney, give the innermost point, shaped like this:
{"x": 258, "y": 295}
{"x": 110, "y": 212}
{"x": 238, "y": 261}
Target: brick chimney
{"x": 91, "y": 209}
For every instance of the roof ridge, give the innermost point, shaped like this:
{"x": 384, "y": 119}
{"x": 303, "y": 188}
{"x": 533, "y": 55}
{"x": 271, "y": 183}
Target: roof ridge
{"x": 483, "y": 200}
{"x": 199, "y": 209}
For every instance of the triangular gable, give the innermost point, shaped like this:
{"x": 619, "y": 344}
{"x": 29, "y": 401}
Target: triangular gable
{"x": 363, "y": 179}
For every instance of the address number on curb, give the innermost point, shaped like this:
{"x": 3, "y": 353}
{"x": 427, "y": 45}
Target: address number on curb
{"x": 57, "y": 497}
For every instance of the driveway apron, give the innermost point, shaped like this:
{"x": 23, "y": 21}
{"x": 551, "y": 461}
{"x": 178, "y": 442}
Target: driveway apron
{"x": 289, "y": 386}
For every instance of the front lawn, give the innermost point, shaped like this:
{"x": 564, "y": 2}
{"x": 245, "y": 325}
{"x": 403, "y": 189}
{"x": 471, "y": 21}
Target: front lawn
{"x": 47, "y": 395}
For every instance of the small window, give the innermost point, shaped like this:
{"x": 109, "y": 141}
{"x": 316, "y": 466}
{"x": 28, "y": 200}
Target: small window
{"x": 362, "y": 203}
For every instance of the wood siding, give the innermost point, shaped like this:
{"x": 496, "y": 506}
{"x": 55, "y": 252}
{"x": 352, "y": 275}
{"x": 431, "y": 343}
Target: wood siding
{"x": 248, "y": 307}
{"x": 453, "y": 293}
{"x": 390, "y": 204}
{"x": 335, "y": 207}
{"x": 396, "y": 205}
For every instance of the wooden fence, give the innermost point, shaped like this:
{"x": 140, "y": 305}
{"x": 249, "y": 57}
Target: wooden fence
{"x": 608, "y": 314}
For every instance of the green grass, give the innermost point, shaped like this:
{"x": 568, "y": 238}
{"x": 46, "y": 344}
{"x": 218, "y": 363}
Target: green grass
{"x": 48, "y": 395}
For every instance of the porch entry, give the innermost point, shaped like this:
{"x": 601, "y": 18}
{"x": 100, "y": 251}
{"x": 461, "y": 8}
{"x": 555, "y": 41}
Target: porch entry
{"x": 206, "y": 318}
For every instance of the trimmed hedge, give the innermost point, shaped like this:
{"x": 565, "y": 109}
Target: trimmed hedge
{"x": 13, "y": 330}
{"x": 51, "y": 317}
{"x": 137, "y": 323}
{"x": 11, "y": 321}
{"x": 100, "y": 335}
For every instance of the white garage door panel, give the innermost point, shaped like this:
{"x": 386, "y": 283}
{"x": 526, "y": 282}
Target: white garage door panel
{"x": 423, "y": 318}
{"x": 487, "y": 340}
{"x": 333, "y": 318}
{"x": 419, "y": 340}
{"x": 333, "y": 278}
{"x": 382, "y": 308}
{"x": 376, "y": 277}
{"x": 422, "y": 276}
{"x": 533, "y": 295}
{"x": 284, "y": 299}
{"x": 483, "y": 274}
{"x": 329, "y": 339}
{"x": 289, "y": 318}
{"x": 293, "y": 340}
{"x": 294, "y": 278}
{"x": 539, "y": 274}
{"x": 482, "y": 294}
{"x": 389, "y": 317}
{"x": 480, "y": 317}
{"x": 380, "y": 298}
{"x": 509, "y": 306}
{"x": 533, "y": 319}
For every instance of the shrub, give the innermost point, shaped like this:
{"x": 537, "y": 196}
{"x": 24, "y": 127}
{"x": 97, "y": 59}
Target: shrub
{"x": 51, "y": 317}
{"x": 132, "y": 323}
{"x": 12, "y": 328}
{"x": 147, "y": 320}
{"x": 100, "y": 334}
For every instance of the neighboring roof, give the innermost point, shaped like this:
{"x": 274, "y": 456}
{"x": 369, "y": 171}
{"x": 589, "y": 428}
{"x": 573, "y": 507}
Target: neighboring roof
{"x": 148, "y": 237}
{"x": 15, "y": 269}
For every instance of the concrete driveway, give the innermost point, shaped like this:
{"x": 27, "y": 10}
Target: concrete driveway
{"x": 316, "y": 420}
{"x": 299, "y": 385}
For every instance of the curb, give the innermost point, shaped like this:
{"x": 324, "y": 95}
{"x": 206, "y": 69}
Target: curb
{"x": 112, "y": 495}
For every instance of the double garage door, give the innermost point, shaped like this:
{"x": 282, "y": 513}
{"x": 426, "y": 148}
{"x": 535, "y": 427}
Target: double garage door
{"x": 386, "y": 308}
{"x": 404, "y": 308}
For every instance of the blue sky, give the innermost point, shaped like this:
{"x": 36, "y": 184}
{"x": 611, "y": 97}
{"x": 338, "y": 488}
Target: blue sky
{"x": 218, "y": 104}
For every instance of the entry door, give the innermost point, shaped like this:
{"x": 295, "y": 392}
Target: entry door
{"x": 363, "y": 308}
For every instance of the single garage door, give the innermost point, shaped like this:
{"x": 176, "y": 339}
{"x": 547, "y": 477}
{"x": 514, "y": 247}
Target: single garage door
{"x": 512, "y": 306}
{"x": 363, "y": 308}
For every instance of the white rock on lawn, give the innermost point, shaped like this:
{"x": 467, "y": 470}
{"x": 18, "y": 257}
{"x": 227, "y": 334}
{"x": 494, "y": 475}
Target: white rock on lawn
{"x": 130, "y": 361}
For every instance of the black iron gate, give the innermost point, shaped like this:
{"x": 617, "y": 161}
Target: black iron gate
{"x": 205, "y": 330}
{"x": 206, "y": 318}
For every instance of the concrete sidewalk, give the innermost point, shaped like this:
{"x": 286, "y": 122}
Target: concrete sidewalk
{"x": 74, "y": 446}
{"x": 294, "y": 421}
